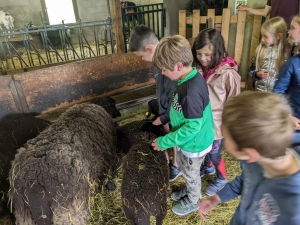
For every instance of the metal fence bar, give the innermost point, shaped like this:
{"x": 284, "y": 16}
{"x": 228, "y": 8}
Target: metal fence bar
{"x": 100, "y": 35}
{"x": 152, "y": 15}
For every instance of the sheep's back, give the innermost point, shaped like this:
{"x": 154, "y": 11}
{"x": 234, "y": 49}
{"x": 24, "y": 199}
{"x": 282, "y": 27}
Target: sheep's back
{"x": 145, "y": 180}
{"x": 67, "y": 158}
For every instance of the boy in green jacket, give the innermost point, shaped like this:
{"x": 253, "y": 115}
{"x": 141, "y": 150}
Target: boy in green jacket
{"x": 191, "y": 118}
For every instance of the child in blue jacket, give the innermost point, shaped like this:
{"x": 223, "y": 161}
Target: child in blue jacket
{"x": 270, "y": 181}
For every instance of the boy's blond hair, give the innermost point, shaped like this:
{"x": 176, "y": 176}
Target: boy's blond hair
{"x": 259, "y": 120}
{"x": 274, "y": 26}
{"x": 171, "y": 50}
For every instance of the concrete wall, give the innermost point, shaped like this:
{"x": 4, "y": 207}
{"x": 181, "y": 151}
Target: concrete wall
{"x": 23, "y": 11}
{"x": 91, "y": 10}
{"x": 30, "y": 10}
{"x": 172, "y": 24}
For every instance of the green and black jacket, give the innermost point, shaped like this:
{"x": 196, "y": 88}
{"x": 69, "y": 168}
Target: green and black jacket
{"x": 190, "y": 115}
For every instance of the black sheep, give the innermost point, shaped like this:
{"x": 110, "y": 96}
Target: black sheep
{"x": 144, "y": 185}
{"x": 153, "y": 108}
{"x": 54, "y": 174}
{"x": 130, "y": 133}
{"x": 15, "y": 131}
{"x": 109, "y": 104}
{"x": 145, "y": 173}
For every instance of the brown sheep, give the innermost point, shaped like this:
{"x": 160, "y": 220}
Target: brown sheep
{"x": 15, "y": 131}
{"x": 130, "y": 133}
{"x": 144, "y": 185}
{"x": 54, "y": 174}
{"x": 145, "y": 173}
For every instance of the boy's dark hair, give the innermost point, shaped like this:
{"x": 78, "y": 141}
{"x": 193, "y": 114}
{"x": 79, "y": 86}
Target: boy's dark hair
{"x": 210, "y": 37}
{"x": 140, "y": 37}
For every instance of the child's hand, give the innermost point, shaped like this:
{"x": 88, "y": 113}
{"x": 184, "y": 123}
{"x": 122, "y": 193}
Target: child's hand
{"x": 155, "y": 145}
{"x": 208, "y": 204}
{"x": 157, "y": 121}
{"x": 263, "y": 74}
{"x": 243, "y": 8}
{"x": 296, "y": 122}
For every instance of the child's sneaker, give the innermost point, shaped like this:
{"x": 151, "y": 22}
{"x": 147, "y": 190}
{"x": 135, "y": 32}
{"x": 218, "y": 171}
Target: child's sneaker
{"x": 184, "y": 207}
{"x": 204, "y": 170}
{"x": 216, "y": 186}
{"x": 177, "y": 195}
{"x": 174, "y": 173}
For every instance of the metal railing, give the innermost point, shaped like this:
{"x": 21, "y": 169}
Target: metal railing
{"x": 88, "y": 39}
{"x": 152, "y": 15}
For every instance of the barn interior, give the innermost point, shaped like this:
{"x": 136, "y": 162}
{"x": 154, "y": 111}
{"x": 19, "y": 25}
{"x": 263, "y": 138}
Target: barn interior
{"x": 37, "y": 77}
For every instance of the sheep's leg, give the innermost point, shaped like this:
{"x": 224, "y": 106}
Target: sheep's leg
{"x": 143, "y": 219}
{"x": 39, "y": 205}
{"x": 159, "y": 219}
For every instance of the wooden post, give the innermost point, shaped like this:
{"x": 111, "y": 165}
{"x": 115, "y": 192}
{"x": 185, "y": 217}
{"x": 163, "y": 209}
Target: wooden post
{"x": 196, "y": 22}
{"x": 182, "y": 22}
{"x": 211, "y": 14}
{"x": 240, "y": 31}
{"x": 117, "y": 24}
{"x": 225, "y": 26}
{"x": 254, "y": 43}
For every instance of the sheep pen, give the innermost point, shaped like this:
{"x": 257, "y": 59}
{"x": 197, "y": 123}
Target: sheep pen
{"x": 54, "y": 175}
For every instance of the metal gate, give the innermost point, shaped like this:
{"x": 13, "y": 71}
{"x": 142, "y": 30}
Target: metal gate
{"x": 87, "y": 39}
{"x": 153, "y": 16}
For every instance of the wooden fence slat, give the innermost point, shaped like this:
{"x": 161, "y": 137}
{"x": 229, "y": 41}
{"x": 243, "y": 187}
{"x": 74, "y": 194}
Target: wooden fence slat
{"x": 182, "y": 22}
{"x": 240, "y": 31}
{"x": 211, "y": 14}
{"x": 196, "y": 22}
{"x": 218, "y": 19}
{"x": 254, "y": 43}
{"x": 225, "y": 26}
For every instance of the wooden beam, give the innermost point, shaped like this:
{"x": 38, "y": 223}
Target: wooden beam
{"x": 225, "y": 26}
{"x": 182, "y": 22}
{"x": 240, "y": 31}
{"x": 117, "y": 24}
{"x": 254, "y": 43}
{"x": 196, "y": 22}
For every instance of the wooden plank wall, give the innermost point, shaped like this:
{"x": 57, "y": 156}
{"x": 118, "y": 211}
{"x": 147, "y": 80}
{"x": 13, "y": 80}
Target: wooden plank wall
{"x": 226, "y": 19}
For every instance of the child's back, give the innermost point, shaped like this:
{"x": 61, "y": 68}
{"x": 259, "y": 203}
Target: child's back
{"x": 269, "y": 184}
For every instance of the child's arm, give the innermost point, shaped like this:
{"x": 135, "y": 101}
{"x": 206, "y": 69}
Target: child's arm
{"x": 230, "y": 191}
{"x": 284, "y": 78}
{"x": 233, "y": 84}
{"x": 184, "y": 134}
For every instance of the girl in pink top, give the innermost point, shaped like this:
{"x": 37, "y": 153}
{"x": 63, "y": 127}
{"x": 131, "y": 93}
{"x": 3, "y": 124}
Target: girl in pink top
{"x": 223, "y": 80}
